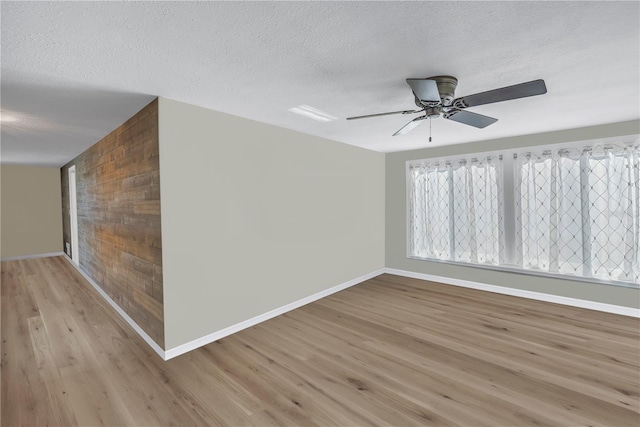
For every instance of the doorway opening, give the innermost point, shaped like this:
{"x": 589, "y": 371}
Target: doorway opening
{"x": 73, "y": 214}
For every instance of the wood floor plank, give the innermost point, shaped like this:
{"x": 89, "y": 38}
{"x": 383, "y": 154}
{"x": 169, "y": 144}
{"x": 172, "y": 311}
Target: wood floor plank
{"x": 450, "y": 394}
{"x": 427, "y": 360}
{"x": 390, "y": 351}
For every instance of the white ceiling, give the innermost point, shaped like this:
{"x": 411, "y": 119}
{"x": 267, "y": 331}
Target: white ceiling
{"x": 73, "y": 71}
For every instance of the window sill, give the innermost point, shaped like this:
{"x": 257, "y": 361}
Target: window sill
{"x": 519, "y": 270}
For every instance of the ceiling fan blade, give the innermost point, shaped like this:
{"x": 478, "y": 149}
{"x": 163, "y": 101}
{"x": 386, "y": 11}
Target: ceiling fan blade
{"x": 425, "y": 90}
{"x": 384, "y": 114}
{"x": 410, "y": 126}
{"x": 469, "y": 118}
{"x": 522, "y": 90}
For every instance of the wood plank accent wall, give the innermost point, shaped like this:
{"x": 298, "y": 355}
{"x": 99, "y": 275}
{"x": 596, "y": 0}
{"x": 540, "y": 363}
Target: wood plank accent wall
{"x": 119, "y": 235}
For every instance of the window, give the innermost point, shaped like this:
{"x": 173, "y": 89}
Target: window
{"x": 455, "y": 210}
{"x": 565, "y": 211}
{"x": 577, "y": 212}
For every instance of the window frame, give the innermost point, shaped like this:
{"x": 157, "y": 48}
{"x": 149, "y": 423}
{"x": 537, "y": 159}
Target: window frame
{"x": 509, "y": 206}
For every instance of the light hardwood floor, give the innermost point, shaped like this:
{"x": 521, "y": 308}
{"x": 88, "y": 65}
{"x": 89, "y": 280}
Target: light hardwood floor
{"x": 390, "y": 351}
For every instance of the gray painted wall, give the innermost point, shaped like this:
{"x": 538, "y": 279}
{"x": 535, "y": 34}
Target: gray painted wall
{"x": 31, "y": 214}
{"x": 396, "y": 219}
{"x": 255, "y": 217}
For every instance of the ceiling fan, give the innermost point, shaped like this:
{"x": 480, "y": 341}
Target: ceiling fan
{"x": 434, "y": 96}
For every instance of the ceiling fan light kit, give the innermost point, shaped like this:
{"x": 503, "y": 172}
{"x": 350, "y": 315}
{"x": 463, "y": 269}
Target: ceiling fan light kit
{"x": 435, "y": 97}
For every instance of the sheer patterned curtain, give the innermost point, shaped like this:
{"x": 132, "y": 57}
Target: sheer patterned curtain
{"x": 456, "y": 210}
{"x": 430, "y": 219}
{"x": 577, "y": 212}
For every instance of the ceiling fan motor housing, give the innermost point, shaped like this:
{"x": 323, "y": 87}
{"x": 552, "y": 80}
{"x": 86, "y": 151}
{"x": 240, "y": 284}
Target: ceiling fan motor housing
{"x": 447, "y": 88}
{"x": 433, "y": 112}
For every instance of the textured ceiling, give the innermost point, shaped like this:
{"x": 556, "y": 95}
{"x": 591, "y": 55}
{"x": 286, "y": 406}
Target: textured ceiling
{"x": 73, "y": 71}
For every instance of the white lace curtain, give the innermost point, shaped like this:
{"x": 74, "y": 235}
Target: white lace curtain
{"x": 577, "y": 212}
{"x": 456, "y": 210}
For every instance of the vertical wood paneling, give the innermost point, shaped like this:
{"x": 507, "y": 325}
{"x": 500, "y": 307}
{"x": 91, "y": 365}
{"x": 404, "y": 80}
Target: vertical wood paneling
{"x": 120, "y": 244}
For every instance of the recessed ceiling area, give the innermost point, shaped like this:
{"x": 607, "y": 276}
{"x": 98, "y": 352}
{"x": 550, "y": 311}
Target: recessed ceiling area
{"x": 73, "y": 71}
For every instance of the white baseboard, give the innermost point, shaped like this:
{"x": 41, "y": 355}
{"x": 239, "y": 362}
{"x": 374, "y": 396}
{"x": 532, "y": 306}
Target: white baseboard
{"x": 214, "y": 336}
{"x": 574, "y": 302}
{"x": 120, "y": 311}
{"x": 16, "y": 258}
{"x": 207, "y": 339}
